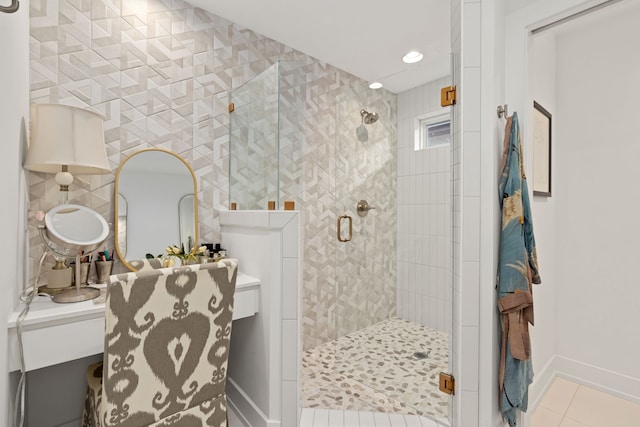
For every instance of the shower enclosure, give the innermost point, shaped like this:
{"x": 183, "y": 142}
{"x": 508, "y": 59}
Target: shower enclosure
{"x": 377, "y": 297}
{"x": 393, "y": 273}
{"x": 266, "y": 137}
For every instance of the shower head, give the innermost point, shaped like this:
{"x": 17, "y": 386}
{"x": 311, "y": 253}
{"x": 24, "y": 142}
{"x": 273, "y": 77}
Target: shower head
{"x": 362, "y": 133}
{"x": 367, "y": 117}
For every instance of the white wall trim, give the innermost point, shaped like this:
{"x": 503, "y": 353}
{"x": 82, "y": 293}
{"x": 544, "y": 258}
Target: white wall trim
{"x": 245, "y": 408}
{"x": 518, "y": 25}
{"x": 541, "y": 382}
{"x": 610, "y": 382}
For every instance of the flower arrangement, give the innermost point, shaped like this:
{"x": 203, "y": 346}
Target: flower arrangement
{"x": 184, "y": 257}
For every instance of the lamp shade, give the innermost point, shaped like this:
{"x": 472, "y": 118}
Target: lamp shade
{"x": 69, "y": 136}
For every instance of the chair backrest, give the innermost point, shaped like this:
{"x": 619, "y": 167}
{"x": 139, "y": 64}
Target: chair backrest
{"x": 146, "y": 264}
{"x": 167, "y": 338}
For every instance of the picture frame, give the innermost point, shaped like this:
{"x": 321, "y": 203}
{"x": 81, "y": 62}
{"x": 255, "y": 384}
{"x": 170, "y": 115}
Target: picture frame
{"x": 541, "y": 151}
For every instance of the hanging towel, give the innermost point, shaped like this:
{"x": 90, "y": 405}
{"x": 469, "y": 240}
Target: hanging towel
{"x": 517, "y": 270}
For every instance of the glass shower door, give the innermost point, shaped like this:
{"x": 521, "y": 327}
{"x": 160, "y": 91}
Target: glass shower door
{"x": 266, "y": 138}
{"x": 394, "y": 293}
{"x": 253, "y": 142}
{"x": 365, "y": 170}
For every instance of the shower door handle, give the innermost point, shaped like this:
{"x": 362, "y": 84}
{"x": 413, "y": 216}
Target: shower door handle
{"x": 340, "y": 238}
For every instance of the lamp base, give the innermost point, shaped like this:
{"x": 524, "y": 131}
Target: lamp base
{"x": 77, "y": 294}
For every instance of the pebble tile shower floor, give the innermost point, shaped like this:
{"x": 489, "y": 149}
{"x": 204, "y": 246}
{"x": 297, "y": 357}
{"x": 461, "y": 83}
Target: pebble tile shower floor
{"x": 376, "y": 369}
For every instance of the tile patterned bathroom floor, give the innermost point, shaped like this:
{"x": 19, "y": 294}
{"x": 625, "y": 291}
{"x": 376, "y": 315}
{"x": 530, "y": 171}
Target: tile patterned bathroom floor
{"x": 375, "y": 369}
{"x": 567, "y": 404}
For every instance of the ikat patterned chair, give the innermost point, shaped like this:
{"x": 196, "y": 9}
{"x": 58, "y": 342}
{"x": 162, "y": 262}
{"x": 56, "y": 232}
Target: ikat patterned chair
{"x": 146, "y": 264}
{"x": 167, "y": 337}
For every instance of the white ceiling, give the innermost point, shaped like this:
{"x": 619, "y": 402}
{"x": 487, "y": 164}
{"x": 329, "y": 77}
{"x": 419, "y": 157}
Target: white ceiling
{"x": 364, "y": 38}
{"x": 609, "y": 12}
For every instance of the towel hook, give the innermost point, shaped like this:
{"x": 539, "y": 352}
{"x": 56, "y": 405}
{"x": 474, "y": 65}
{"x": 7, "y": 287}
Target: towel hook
{"x": 15, "y": 4}
{"x": 502, "y": 109}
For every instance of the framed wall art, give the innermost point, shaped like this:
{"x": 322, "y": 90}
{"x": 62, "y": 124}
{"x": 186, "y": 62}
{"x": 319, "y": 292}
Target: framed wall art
{"x": 541, "y": 151}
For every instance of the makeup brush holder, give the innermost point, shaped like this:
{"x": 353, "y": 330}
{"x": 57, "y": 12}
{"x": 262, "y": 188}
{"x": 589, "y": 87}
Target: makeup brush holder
{"x": 103, "y": 271}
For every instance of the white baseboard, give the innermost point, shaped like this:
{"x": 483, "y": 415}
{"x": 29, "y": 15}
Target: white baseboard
{"x": 231, "y": 407}
{"x": 611, "y": 382}
{"x": 605, "y": 380}
{"x": 245, "y": 407}
{"x": 542, "y": 379}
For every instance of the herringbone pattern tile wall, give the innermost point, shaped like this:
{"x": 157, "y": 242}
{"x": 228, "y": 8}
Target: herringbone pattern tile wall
{"x": 161, "y": 73}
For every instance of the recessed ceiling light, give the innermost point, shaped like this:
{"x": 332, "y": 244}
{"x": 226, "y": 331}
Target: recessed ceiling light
{"x": 375, "y": 85}
{"x": 412, "y": 57}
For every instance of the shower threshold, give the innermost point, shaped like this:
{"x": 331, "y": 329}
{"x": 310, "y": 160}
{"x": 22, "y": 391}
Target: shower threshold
{"x": 336, "y": 418}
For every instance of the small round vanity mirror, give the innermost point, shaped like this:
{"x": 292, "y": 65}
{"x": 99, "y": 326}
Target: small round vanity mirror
{"x": 68, "y": 231}
{"x": 73, "y": 228}
{"x": 158, "y": 188}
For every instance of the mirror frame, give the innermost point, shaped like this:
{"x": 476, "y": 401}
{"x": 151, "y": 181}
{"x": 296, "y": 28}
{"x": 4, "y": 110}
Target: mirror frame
{"x": 119, "y": 196}
{"x": 117, "y": 180}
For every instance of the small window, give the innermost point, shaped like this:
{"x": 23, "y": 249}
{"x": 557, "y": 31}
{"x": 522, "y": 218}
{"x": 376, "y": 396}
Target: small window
{"x": 432, "y": 130}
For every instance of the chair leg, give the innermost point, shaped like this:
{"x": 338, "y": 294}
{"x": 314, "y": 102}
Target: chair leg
{"x": 90, "y": 416}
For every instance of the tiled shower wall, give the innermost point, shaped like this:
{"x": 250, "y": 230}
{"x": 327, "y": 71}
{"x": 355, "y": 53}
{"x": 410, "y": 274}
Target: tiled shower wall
{"x": 365, "y": 267}
{"x": 161, "y": 73}
{"x": 424, "y": 291}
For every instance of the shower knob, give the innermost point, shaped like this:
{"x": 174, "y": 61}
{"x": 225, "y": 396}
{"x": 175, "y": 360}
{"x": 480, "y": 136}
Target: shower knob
{"x": 363, "y": 207}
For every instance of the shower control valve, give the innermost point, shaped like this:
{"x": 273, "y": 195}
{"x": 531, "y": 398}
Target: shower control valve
{"x": 363, "y": 207}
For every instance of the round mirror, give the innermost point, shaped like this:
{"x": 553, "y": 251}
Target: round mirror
{"x": 156, "y": 185}
{"x": 73, "y": 228}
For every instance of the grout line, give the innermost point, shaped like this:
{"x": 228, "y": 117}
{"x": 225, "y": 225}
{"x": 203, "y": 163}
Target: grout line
{"x": 564, "y": 416}
{"x": 364, "y": 419}
{"x": 580, "y": 423}
{"x": 571, "y": 401}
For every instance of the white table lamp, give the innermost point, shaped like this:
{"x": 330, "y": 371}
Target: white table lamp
{"x": 66, "y": 140}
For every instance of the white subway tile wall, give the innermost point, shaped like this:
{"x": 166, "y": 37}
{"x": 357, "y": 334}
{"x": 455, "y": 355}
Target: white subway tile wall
{"x": 424, "y": 293}
{"x": 465, "y": 167}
